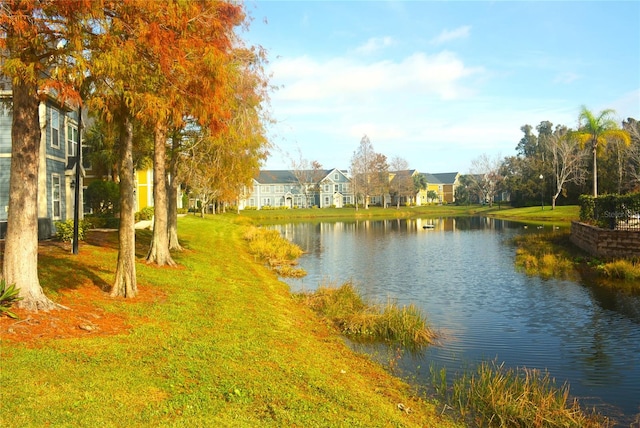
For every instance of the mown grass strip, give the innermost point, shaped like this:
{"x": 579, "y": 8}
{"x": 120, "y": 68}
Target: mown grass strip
{"x": 225, "y": 345}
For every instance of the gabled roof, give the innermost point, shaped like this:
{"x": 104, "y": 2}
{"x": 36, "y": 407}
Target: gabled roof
{"x": 276, "y": 177}
{"x": 431, "y": 179}
{"x": 446, "y": 177}
{"x": 327, "y": 172}
{"x": 285, "y": 176}
{"x": 441, "y": 177}
{"x": 406, "y": 173}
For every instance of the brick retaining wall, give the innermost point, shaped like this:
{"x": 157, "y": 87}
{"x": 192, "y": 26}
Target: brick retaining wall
{"x": 605, "y": 242}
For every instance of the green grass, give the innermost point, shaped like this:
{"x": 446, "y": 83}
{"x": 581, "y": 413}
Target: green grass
{"x": 562, "y": 215}
{"x": 222, "y": 343}
{"x": 359, "y": 320}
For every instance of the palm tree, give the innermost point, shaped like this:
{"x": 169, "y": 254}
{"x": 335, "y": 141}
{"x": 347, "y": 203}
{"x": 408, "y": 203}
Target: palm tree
{"x": 597, "y": 130}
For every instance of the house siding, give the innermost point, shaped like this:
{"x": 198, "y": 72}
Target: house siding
{"x": 53, "y": 162}
{"x": 280, "y": 188}
{"x": 5, "y": 159}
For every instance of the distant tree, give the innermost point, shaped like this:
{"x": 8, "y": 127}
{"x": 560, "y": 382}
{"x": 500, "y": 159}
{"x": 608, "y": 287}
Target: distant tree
{"x": 463, "y": 190}
{"x": 380, "y": 177}
{"x": 528, "y": 145}
{"x": 596, "y": 131}
{"x": 432, "y": 195}
{"x": 485, "y": 177}
{"x": 567, "y": 160}
{"x": 361, "y": 171}
{"x": 308, "y": 173}
{"x": 402, "y": 182}
{"x": 632, "y": 126}
{"x": 419, "y": 183}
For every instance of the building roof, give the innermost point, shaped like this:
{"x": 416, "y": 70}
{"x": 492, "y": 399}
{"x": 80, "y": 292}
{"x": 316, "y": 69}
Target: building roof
{"x": 285, "y": 176}
{"x": 446, "y": 177}
{"x": 276, "y": 177}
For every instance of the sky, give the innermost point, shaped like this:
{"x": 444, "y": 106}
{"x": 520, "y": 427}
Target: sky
{"x": 437, "y": 83}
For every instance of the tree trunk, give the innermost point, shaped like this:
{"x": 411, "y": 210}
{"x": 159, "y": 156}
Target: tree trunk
{"x": 595, "y": 170}
{"x": 172, "y": 204}
{"x": 125, "y": 284}
{"x": 159, "y": 249}
{"x": 20, "y": 265}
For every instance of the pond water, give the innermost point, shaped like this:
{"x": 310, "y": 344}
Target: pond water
{"x": 461, "y": 273}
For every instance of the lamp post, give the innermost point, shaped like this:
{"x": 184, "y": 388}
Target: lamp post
{"x": 76, "y": 188}
{"x": 542, "y": 191}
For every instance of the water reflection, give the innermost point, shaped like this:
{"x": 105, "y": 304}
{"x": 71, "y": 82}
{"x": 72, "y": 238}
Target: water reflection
{"x": 460, "y": 271}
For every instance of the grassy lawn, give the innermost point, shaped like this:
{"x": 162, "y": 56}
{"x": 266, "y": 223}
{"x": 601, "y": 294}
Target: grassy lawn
{"x": 218, "y": 341}
{"x": 561, "y": 214}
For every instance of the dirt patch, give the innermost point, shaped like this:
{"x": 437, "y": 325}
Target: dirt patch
{"x": 85, "y": 315}
{"x": 82, "y": 318}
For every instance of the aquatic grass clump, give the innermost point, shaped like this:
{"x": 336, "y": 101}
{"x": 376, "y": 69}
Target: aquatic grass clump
{"x": 495, "y": 396}
{"x": 621, "y": 269}
{"x": 539, "y": 254}
{"x": 361, "y": 321}
{"x": 280, "y": 254}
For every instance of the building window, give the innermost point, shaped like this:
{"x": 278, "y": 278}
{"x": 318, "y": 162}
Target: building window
{"x": 326, "y": 187}
{"x": 55, "y": 195}
{"x": 335, "y": 187}
{"x": 326, "y": 201}
{"x": 55, "y": 128}
{"x": 86, "y": 161}
{"x": 72, "y": 140}
{"x": 336, "y": 176}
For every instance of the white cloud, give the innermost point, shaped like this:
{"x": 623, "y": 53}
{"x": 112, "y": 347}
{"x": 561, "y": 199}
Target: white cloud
{"x": 449, "y": 35}
{"x": 374, "y": 44}
{"x": 306, "y": 79}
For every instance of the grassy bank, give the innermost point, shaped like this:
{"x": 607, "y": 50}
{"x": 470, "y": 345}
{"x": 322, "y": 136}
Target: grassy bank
{"x": 560, "y": 215}
{"x": 328, "y": 214}
{"x": 217, "y": 342}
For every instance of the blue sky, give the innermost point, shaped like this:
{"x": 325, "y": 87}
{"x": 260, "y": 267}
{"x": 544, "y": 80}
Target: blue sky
{"x": 439, "y": 83}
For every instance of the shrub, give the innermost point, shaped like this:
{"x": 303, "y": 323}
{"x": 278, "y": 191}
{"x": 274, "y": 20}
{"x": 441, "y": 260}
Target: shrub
{"x": 102, "y": 222}
{"x": 64, "y": 230}
{"x": 144, "y": 214}
{"x": 103, "y": 197}
{"x": 8, "y": 296}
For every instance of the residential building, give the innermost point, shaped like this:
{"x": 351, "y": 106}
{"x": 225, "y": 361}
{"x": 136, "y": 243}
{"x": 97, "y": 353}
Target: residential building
{"x": 333, "y": 188}
{"x": 443, "y": 184}
{"x": 284, "y": 189}
{"x": 56, "y": 172}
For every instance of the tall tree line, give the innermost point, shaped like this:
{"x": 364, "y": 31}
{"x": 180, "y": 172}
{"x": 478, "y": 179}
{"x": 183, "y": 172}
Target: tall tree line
{"x": 164, "y": 68}
{"x": 556, "y": 162}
